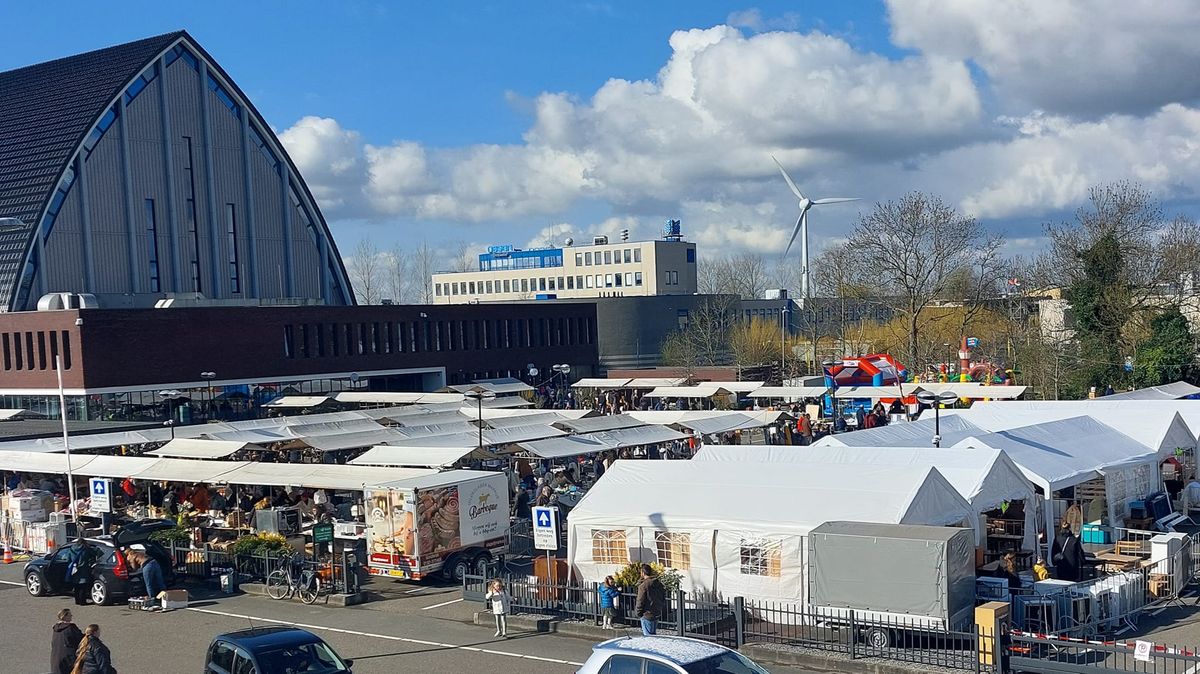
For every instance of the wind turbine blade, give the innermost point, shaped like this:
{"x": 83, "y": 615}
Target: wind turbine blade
{"x": 795, "y": 232}
{"x": 795, "y": 190}
{"x": 835, "y": 200}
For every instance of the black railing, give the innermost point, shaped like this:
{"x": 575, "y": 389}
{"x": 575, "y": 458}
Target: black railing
{"x": 1054, "y": 655}
{"x": 342, "y": 571}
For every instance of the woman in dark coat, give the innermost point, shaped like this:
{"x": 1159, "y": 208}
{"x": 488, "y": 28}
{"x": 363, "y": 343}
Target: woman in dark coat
{"x": 93, "y": 656}
{"x": 64, "y": 641}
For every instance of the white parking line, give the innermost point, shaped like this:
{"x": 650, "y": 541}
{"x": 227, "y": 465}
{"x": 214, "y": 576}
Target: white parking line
{"x": 12, "y": 582}
{"x": 414, "y": 590}
{"x": 419, "y": 642}
{"x": 445, "y": 603}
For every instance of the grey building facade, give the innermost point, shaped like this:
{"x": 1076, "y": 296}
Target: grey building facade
{"x": 142, "y": 171}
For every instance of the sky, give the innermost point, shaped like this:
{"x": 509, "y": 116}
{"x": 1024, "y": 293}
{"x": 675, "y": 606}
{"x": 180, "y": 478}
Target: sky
{"x": 527, "y": 122}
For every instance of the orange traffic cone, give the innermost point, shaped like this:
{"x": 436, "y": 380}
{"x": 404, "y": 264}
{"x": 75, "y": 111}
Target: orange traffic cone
{"x": 8, "y": 556}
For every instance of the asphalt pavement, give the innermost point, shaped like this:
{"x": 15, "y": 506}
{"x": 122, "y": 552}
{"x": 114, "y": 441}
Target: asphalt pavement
{"x": 418, "y": 628}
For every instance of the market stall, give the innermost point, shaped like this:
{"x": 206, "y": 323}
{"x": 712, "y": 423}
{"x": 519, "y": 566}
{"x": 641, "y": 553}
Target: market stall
{"x": 418, "y": 456}
{"x": 910, "y": 434}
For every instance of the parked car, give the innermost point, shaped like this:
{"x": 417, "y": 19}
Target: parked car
{"x": 666, "y": 655}
{"x": 112, "y": 578}
{"x": 273, "y": 650}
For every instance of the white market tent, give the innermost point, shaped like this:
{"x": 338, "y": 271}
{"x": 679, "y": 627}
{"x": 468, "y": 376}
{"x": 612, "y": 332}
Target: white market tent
{"x": 715, "y": 511}
{"x": 655, "y": 382}
{"x": 599, "y": 382}
{"x": 735, "y": 386}
{"x": 986, "y": 478}
{"x": 698, "y": 391}
{"x": 90, "y": 441}
{"x": 418, "y": 420}
{"x": 537, "y": 417}
{"x": 592, "y": 424}
{"x": 1175, "y": 391}
{"x": 722, "y": 424}
{"x": 905, "y": 434}
{"x": 1060, "y": 454}
{"x": 788, "y": 392}
{"x": 413, "y": 455}
{"x": 8, "y": 414}
{"x": 875, "y": 392}
{"x": 618, "y": 438}
{"x": 975, "y": 390}
{"x": 1163, "y": 430}
{"x": 396, "y": 398}
{"x": 191, "y": 448}
{"x": 298, "y": 401}
{"x": 354, "y": 440}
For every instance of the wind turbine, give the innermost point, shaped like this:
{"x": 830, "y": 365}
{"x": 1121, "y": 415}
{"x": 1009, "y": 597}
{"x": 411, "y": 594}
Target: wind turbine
{"x": 802, "y": 226}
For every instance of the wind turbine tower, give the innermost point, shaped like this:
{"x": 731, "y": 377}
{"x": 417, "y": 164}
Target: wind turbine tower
{"x": 801, "y": 228}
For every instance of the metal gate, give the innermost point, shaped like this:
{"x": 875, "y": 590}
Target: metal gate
{"x": 1045, "y": 654}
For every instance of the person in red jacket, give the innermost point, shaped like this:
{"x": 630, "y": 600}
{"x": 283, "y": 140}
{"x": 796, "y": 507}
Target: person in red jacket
{"x": 129, "y": 489}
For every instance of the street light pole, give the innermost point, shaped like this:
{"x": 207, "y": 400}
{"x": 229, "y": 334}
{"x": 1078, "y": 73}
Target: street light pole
{"x": 479, "y": 394}
{"x": 783, "y": 316}
{"x": 935, "y": 400}
{"x": 62, "y": 413}
{"x": 208, "y": 377}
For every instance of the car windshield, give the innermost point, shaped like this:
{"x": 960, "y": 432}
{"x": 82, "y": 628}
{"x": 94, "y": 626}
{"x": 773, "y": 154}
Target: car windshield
{"x": 725, "y": 663}
{"x": 307, "y": 659}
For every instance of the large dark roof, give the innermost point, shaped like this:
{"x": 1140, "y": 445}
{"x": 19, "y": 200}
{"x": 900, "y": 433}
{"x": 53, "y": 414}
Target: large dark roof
{"x": 45, "y": 110}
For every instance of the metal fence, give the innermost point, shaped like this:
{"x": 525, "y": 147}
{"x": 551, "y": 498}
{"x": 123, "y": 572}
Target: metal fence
{"x": 520, "y": 538}
{"x": 1046, "y": 654}
{"x": 341, "y": 572}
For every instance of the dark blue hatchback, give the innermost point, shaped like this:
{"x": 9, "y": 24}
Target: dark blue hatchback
{"x": 273, "y": 650}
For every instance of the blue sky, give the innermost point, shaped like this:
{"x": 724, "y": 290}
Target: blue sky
{"x": 525, "y": 122}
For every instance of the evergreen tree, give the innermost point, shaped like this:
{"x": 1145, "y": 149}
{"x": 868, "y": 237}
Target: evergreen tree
{"x": 1169, "y": 353}
{"x": 1101, "y": 303}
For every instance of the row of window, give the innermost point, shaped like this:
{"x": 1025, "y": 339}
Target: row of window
{"x": 525, "y": 259}
{"x": 320, "y": 340}
{"x": 35, "y": 350}
{"x": 532, "y": 285}
{"x": 629, "y": 255}
{"x": 759, "y": 557}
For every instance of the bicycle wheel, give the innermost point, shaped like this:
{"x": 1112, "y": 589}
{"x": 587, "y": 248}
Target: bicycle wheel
{"x": 309, "y": 589}
{"x": 278, "y": 584}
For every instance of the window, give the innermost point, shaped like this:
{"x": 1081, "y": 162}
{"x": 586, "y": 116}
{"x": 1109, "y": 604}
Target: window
{"x": 222, "y": 656}
{"x": 674, "y": 278}
{"x": 570, "y": 283}
{"x": 674, "y": 549}
{"x": 599, "y": 280}
{"x": 524, "y": 285}
{"x": 691, "y": 255}
{"x": 608, "y": 257}
{"x": 578, "y": 259}
{"x": 587, "y": 259}
{"x": 471, "y": 288}
{"x": 235, "y": 279}
{"x": 541, "y": 284}
{"x": 488, "y": 285}
{"x": 655, "y": 667}
{"x": 552, "y": 285}
{"x": 617, "y": 280}
{"x": 624, "y": 664}
{"x": 152, "y": 246}
{"x": 589, "y": 280}
{"x": 628, "y": 278}
{"x": 608, "y": 280}
{"x": 628, "y": 256}
{"x": 637, "y": 254}
{"x": 454, "y": 288}
{"x": 608, "y": 546}
{"x": 560, "y": 283}
{"x": 437, "y": 290}
{"x": 289, "y": 346}
{"x": 193, "y": 230}
{"x": 507, "y": 286}
{"x": 760, "y": 557}
{"x": 244, "y": 665}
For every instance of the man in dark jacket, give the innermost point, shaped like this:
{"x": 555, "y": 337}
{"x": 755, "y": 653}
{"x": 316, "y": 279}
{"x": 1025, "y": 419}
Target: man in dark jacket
{"x": 64, "y": 641}
{"x": 81, "y": 559}
{"x": 1067, "y": 554}
{"x": 651, "y": 600}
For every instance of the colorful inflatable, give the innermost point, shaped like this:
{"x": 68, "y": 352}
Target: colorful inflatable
{"x": 877, "y": 369}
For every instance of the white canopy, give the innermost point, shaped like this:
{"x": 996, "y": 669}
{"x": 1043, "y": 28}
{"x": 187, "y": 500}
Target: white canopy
{"x": 90, "y": 440}
{"x": 722, "y": 424}
{"x": 319, "y": 476}
{"x": 620, "y": 438}
{"x": 1060, "y": 454}
{"x": 418, "y": 420}
{"x": 789, "y": 392}
{"x": 536, "y": 417}
{"x": 298, "y": 401}
{"x": 735, "y": 386}
{"x": 598, "y": 382}
{"x": 905, "y": 434}
{"x": 412, "y": 455}
{"x": 190, "y": 448}
{"x": 975, "y": 390}
{"x": 414, "y": 432}
{"x": 874, "y": 392}
{"x": 655, "y": 382}
{"x": 510, "y": 434}
{"x": 592, "y": 424}
{"x": 697, "y": 391}
{"x": 396, "y": 398}
{"x": 353, "y": 440}
{"x": 1161, "y": 429}
{"x": 1174, "y": 391}
{"x": 786, "y": 499}
{"x": 5, "y": 415}
{"x": 185, "y": 470}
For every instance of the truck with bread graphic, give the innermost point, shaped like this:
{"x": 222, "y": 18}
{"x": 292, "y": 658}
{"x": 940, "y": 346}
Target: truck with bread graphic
{"x": 454, "y": 523}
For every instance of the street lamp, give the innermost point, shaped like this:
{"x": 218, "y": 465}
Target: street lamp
{"x": 564, "y": 370}
{"x": 783, "y": 323}
{"x": 935, "y": 400}
{"x": 169, "y": 396}
{"x": 208, "y": 377}
{"x": 479, "y": 395}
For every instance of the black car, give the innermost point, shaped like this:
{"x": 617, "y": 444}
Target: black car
{"x": 273, "y": 650}
{"x": 111, "y": 575}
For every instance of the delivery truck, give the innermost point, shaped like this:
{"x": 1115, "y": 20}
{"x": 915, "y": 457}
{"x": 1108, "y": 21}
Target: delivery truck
{"x": 454, "y": 523}
{"x": 892, "y": 575}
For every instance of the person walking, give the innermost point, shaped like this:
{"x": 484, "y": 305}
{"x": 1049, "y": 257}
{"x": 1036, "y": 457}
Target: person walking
{"x": 651, "y": 600}
{"x": 80, "y": 560}
{"x": 1067, "y": 554}
{"x": 64, "y": 642}
{"x": 609, "y": 592}
{"x": 93, "y": 657}
{"x": 500, "y": 605}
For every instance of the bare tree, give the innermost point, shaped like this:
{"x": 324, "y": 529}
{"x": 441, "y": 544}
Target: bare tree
{"x": 750, "y": 275}
{"x": 398, "y": 275}
{"x": 422, "y": 268}
{"x": 917, "y": 246}
{"x": 364, "y": 271}
{"x": 462, "y": 259}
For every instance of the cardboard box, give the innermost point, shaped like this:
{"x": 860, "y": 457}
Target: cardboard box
{"x": 172, "y": 599}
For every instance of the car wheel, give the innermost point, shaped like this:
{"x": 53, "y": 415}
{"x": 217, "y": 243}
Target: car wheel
{"x": 35, "y": 584}
{"x": 100, "y": 592}
{"x": 460, "y": 569}
{"x": 877, "y": 638}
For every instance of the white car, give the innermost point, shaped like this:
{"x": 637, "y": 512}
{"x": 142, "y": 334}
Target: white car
{"x": 666, "y": 655}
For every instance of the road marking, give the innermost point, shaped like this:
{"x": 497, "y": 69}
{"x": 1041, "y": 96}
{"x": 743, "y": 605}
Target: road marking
{"x": 415, "y": 590}
{"x": 445, "y": 603}
{"x": 419, "y": 642}
{"x": 12, "y": 582}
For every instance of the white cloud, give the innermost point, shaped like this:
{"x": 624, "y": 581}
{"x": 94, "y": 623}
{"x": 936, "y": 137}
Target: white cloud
{"x": 753, "y": 19}
{"x": 1073, "y": 56}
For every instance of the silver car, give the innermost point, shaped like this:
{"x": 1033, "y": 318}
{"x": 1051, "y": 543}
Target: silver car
{"x": 666, "y": 655}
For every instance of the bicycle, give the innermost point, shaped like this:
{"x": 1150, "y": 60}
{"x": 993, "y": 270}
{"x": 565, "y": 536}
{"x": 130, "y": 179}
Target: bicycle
{"x": 298, "y": 577}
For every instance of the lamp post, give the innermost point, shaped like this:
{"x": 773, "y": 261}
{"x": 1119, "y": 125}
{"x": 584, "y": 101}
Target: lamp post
{"x": 479, "y": 395}
{"x": 935, "y": 400}
{"x": 169, "y": 396}
{"x": 783, "y": 323}
{"x": 564, "y": 370}
{"x": 208, "y": 377}
{"x": 833, "y": 400}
